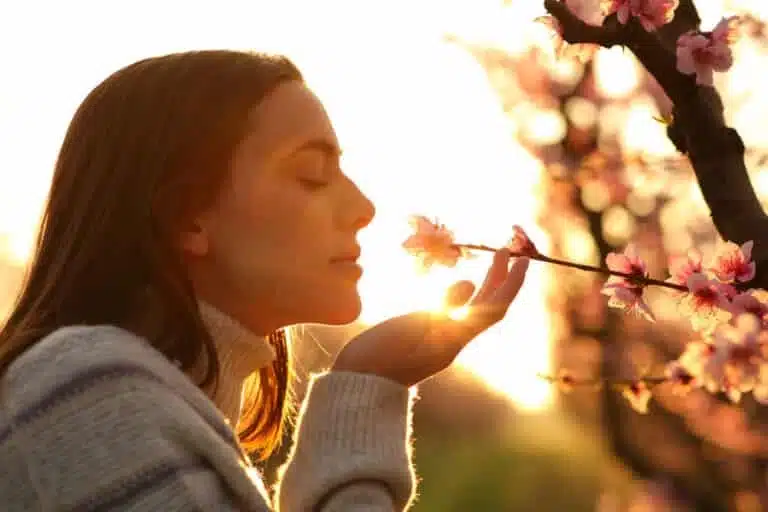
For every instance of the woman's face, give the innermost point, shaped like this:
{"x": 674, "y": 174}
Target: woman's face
{"x": 278, "y": 246}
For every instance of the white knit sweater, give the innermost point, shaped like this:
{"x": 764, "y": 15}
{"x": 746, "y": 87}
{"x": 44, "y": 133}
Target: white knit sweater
{"x": 94, "y": 418}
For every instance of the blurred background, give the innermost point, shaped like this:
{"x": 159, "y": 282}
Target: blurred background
{"x": 458, "y": 109}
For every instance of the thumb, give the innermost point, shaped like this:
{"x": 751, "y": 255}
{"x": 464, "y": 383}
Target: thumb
{"x": 458, "y": 294}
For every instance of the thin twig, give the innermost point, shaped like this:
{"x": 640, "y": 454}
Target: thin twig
{"x": 573, "y": 382}
{"x": 633, "y": 278}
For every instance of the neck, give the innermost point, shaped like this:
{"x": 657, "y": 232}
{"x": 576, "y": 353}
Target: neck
{"x": 240, "y": 353}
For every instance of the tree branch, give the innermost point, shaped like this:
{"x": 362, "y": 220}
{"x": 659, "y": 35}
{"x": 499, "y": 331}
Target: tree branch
{"x": 698, "y": 130}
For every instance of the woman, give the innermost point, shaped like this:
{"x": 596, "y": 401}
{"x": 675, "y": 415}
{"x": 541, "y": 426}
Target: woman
{"x": 197, "y": 209}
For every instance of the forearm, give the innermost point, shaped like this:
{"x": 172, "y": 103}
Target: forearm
{"x": 360, "y": 496}
{"x": 352, "y": 447}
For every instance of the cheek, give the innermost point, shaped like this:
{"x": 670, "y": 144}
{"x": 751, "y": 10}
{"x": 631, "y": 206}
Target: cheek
{"x": 267, "y": 236}
{"x": 282, "y": 224}
{"x": 273, "y": 249}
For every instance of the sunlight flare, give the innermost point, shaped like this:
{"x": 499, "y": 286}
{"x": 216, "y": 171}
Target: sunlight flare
{"x": 422, "y": 129}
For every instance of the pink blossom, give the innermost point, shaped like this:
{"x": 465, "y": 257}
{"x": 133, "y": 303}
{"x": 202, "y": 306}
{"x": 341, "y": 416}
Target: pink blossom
{"x": 682, "y": 267}
{"x": 705, "y": 302}
{"x": 705, "y": 362}
{"x": 734, "y": 263}
{"x": 729, "y": 291}
{"x": 627, "y": 262}
{"x": 629, "y": 299}
{"x": 651, "y": 14}
{"x": 748, "y": 303}
{"x": 680, "y": 377}
{"x": 742, "y": 345}
{"x": 520, "y": 243}
{"x": 626, "y": 292}
{"x": 706, "y": 294}
{"x": 734, "y": 362}
{"x": 702, "y": 54}
{"x": 587, "y": 11}
{"x": 432, "y": 243}
{"x": 638, "y": 394}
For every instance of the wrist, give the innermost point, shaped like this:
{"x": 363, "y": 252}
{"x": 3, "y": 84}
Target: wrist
{"x": 341, "y": 365}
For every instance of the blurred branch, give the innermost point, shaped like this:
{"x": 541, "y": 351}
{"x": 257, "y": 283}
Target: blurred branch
{"x": 704, "y": 489}
{"x": 705, "y": 497}
{"x": 698, "y": 130}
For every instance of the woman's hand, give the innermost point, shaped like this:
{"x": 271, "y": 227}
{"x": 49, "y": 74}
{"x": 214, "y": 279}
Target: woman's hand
{"x": 411, "y": 348}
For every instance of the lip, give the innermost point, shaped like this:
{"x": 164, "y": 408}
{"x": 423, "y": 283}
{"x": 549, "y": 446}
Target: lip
{"x": 348, "y": 266}
{"x": 350, "y": 256}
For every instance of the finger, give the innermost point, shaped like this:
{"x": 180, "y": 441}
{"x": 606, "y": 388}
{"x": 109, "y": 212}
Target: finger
{"x": 495, "y": 275}
{"x": 508, "y": 290}
{"x": 458, "y": 294}
{"x": 488, "y": 312}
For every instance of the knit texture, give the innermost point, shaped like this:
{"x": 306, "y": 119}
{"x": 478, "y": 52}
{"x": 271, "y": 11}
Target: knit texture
{"x": 94, "y": 418}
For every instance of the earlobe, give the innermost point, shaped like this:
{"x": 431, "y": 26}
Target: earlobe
{"x": 194, "y": 240}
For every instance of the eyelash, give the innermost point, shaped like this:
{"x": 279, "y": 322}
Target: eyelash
{"x": 313, "y": 184}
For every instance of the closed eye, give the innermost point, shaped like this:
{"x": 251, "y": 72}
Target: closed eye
{"x": 315, "y": 164}
{"x": 312, "y": 184}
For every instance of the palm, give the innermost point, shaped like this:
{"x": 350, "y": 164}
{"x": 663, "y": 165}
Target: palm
{"x": 413, "y": 347}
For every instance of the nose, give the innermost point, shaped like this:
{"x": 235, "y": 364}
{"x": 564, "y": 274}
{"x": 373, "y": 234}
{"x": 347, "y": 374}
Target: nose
{"x": 360, "y": 210}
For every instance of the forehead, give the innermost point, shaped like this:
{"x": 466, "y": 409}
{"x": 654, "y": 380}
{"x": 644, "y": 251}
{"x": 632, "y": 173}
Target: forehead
{"x": 288, "y": 117}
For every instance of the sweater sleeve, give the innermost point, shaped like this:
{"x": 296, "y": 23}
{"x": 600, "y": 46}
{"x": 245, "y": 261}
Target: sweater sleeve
{"x": 352, "y": 449}
{"x": 117, "y": 439}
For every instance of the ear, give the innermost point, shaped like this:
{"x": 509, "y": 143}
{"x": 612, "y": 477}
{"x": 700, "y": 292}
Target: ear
{"x": 194, "y": 238}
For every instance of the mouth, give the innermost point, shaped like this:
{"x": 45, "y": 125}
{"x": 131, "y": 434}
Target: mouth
{"x": 348, "y": 264}
{"x": 350, "y": 256}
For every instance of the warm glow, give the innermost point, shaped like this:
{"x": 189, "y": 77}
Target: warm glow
{"x": 618, "y": 225}
{"x": 760, "y": 182}
{"x": 545, "y": 127}
{"x": 478, "y": 182}
{"x": 643, "y": 133}
{"x": 422, "y": 129}
{"x": 459, "y": 313}
{"x": 617, "y": 72}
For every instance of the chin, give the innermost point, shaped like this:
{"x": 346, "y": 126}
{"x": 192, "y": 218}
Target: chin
{"x": 337, "y": 308}
{"x": 341, "y": 312}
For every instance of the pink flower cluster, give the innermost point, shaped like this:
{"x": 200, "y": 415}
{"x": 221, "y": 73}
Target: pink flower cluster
{"x": 702, "y": 53}
{"x": 651, "y": 14}
{"x": 698, "y": 53}
{"x": 520, "y": 243}
{"x": 627, "y": 292}
{"x": 732, "y": 354}
{"x": 710, "y": 292}
{"x": 732, "y": 357}
{"x": 734, "y": 360}
{"x": 432, "y": 243}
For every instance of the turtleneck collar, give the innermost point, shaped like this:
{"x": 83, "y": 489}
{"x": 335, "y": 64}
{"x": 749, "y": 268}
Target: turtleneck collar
{"x": 240, "y": 353}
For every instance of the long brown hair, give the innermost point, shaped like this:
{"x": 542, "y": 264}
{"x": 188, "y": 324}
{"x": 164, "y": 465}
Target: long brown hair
{"x": 148, "y": 146}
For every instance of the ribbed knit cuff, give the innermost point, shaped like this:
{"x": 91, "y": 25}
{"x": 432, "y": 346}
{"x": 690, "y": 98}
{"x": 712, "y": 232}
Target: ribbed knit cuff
{"x": 352, "y": 427}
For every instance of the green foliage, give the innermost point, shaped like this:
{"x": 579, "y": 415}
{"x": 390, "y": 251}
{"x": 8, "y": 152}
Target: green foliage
{"x": 549, "y": 466}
